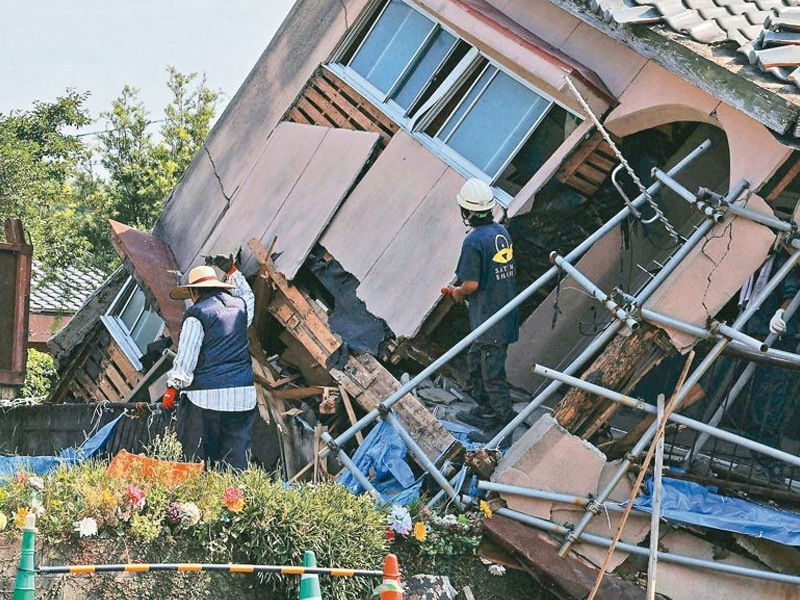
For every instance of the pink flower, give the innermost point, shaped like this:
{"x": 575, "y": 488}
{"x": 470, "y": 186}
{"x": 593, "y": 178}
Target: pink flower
{"x": 233, "y": 497}
{"x": 136, "y": 497}
{"x": 389, "y": 533}
{"x": 21, "y": 477}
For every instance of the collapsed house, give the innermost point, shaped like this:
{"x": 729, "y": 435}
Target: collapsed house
{"x": 647, "y": 150}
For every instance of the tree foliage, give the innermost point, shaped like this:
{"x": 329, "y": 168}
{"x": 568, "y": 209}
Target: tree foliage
{"x": 50, "y": 179}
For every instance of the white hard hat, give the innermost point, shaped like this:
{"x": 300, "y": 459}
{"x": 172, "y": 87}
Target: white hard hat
{"x": 476, "y": 195}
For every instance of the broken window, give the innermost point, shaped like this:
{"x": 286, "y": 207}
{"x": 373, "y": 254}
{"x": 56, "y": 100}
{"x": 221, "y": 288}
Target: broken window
{"x": 133, "y": 322}
{"x": 466, "y": 108}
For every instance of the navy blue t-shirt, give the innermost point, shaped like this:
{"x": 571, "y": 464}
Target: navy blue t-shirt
{"x": 487, "y": 256}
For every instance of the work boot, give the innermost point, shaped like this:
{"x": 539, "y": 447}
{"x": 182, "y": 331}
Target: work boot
{"x": 490, "y": 429}
{"x": 476, "y": 416}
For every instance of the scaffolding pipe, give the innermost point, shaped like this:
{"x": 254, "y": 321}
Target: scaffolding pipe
{"x": 739, "y": 386}
{"x": 351, "y": 466}
{"x": 537, "y": 494}
{"x": 655, "y": 517}
{"x": 709, "y": 210}
{"x": 550, "y": 274}
{"x": 598, "y": 294}
{"x": 425, "y": 462}
{"x": 600, "y": 341}
{"x": 669, "y": 557}
{"x": 741, "y": 341}
{"x": 693, "y": 380}
{"x": 641, "y": 405}
{"x": 728, "y": 204}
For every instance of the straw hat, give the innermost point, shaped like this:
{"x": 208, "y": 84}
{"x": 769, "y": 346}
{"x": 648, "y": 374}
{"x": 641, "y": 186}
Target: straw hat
{"x": 202, "y": 277}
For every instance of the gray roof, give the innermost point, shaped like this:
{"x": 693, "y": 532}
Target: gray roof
{"x": 67, "y": 293}
{"x": 766, "y": 33}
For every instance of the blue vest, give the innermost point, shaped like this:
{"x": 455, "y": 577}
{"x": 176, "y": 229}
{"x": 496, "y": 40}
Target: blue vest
{"x": 224, "y": 359}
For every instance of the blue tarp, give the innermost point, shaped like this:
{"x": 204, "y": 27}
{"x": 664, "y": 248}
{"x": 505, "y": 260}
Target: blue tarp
{"x": 39, "y": 465}
{"x": 694, "y": 504}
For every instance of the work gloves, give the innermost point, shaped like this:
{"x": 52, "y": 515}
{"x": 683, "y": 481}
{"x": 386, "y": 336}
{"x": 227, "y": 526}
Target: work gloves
{"x": 224, "y": 262}
{"x": 168, "y": 401}
{"x": 777, "y": 325}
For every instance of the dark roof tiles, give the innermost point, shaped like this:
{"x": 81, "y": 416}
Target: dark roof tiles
{"x": 66, "y": 293}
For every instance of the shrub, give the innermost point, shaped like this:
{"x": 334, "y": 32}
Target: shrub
{"x": 40, "y": 375}
{"x": 232, "y": 517}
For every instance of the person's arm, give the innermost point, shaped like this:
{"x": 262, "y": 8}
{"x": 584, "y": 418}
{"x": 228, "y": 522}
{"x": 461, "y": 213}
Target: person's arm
{"x": 244, "y": 292}
{"x": 467, "y": 288}
{"x": 468, "y": 271}
{"x": 182, "y": 373}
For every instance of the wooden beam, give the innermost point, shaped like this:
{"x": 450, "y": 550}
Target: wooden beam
{"x": 351, "y": 414}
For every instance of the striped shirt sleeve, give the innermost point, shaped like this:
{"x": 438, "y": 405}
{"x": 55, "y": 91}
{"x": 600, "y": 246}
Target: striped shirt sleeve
{"x": 244, "y": 292}
{"x": 182, "y": 373}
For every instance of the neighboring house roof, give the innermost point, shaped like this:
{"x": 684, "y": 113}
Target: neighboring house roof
{"x": 765, "y": 33}
{"x": 65, "y": 294}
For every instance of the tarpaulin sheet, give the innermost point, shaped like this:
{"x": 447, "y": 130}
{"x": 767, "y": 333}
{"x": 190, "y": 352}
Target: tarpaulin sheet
{"x": 384, "y": 452}
{"x": 694, "y": 504}
{"x": 39, "y": 465}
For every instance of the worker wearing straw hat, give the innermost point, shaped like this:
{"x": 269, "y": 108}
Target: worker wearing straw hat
{"x": 212, "y": 370}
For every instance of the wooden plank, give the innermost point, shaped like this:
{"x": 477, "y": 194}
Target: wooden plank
{"x": 351, "y": 414}
{"x": 283, "y": 381}
{"x": 570, "y": 165}
{"x": 297, "y": 116}
{"x": 331, "y": 112}
{"x": 109, "y": 393}
{"x": 599, "y": 162}
{"x": 786, "y": 179}
{"x": 362, "y": 109}
{"x": 299, "y": 393}
{"x": 585, "y": 187}
{"x": 364, "y": 372}
{"x": 315, "y": 113}
{"x": 116, "y": 378}
{"x": 587, "y": 171}
{"x": 123, "y": 364}
{"x": 88, "y": 384}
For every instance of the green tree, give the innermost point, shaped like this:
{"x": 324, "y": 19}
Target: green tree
{"x": 39, "y": 161}
{"x": 40, "y": 375}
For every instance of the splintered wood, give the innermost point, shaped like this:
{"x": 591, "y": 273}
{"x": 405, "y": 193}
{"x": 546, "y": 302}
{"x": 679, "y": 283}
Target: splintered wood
{"x": 362, "y": 377}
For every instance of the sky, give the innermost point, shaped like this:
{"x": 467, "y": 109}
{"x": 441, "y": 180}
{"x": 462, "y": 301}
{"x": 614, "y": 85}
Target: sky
{"x": 47, "y": 46}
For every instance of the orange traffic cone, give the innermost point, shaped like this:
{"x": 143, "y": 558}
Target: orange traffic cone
{"x": 391, "y": 588}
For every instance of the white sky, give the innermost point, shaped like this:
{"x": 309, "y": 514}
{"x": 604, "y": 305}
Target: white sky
{"x": 47, "y": 46}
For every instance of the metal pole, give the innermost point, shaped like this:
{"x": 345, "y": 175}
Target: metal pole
{"x": 707, "y": 209}
{"x": 669, "y": 557}
{"x": 516, "y": 490}
{"x": 693, "y": 380}
{"x": 739, "y": 386}
{"x": 598, "y": 294}
{"x": 551, "y": 273}
{"x": 426, "y": 462}
{"x": 600, "y": 341}
{"x": 655, "y": 518}
{"x": 640, "y": 405}
{"x": 351, "y": 466}
{"x": 738, "y": 336}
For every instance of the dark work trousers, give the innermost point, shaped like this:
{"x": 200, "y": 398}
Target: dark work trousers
{"x": 772, "y": 389}
{"x": 487, "y": 375}
{"x": 218, "y": 437}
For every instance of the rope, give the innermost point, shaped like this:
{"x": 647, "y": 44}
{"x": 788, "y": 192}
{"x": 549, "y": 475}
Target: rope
{"x": 640, "y": 478}
{"x": 642, "y": 189}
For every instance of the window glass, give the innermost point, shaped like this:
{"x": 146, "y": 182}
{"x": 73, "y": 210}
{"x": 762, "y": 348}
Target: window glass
{"x": 146, "y": 330}
{"x": 553, "y": 131}
{"x": 393, "y": 42}
{"x": 499, "y": 120}
{"x": 473, "y": 94}
{"x": 130, "y": 313}
{"x": 427, "y": 64}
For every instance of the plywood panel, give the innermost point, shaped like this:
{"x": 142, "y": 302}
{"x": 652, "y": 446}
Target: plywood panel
{"x": 405, "y": 283}
{"x": 328, "y": 178}
{"x": 383, "y": 201}
{"x": 262, "y": 195}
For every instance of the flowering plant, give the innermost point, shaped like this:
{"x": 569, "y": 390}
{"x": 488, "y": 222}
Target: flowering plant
{"x": 86, "y": 527}
{"x": 233, "y": 497}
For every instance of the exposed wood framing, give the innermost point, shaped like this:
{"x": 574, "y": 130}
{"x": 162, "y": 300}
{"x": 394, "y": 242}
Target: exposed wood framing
{"x": 330, "y": 102}
{"x": 98, "y": 371}
{"x": 744, "y": 95}
{"x": 623, "y": 363}
{"x": 362, "y": 377}
{"x": 15, "y": 274}
{"x": 589, "y": 166}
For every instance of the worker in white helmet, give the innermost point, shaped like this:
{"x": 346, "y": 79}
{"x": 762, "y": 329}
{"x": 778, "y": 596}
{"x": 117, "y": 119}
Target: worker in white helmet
{"x": 487, "y": 274}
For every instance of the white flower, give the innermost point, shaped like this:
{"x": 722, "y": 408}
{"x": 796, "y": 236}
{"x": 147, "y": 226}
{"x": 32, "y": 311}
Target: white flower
{"x": 449, "y": 520}
{"x": 189, "y": 514}
{"x": 86, "y": 527}
{"x": 497, "y": 570}
{"x": 36, "y": 483}
{"x": 400, "y": 520}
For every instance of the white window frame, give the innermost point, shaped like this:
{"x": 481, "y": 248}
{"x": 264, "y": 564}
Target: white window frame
{"x": 416, "y": 125}
{"x": 117, "y": 328}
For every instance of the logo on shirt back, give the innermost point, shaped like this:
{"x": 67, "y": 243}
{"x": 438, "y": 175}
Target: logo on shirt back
{"x": 505, "y": 252}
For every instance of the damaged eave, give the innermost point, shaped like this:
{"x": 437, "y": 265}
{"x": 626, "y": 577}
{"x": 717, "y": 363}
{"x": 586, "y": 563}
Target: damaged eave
{"x": 766, "y": 107}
